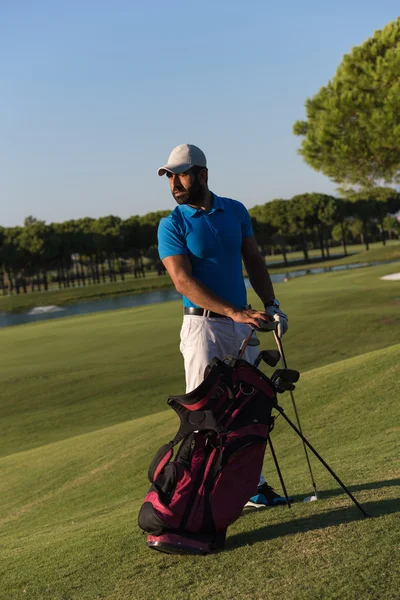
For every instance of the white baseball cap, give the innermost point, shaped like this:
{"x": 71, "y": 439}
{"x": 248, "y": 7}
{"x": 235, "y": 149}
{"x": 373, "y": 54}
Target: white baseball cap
{"x": 183, "y": 158}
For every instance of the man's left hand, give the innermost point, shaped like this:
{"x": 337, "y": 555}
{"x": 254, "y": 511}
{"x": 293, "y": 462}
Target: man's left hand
{"x": 279, "y": 317}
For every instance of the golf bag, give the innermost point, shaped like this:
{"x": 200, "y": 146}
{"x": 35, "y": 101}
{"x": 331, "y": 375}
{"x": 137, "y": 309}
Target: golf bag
{"x": 224, "y": 427}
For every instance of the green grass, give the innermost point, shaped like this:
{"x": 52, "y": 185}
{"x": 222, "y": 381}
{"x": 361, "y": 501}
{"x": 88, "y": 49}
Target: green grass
{"x": 69, "y": 376}
{"x": 83, "y": 410}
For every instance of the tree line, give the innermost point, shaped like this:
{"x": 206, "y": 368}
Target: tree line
{"x": 75, "y": 252}
{"x": 316, "y": 220}
{"x": 87, "y": 251}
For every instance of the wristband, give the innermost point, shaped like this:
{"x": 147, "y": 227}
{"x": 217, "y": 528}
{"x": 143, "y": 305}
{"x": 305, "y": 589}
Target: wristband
{"x": 273, "y": 302}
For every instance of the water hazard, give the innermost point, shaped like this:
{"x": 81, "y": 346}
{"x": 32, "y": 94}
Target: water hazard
{"x": 142, "y": 299}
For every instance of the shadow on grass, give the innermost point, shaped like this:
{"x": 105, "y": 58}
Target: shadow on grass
{"x": 313, "y": 522}
{"x": 371, "y": 485}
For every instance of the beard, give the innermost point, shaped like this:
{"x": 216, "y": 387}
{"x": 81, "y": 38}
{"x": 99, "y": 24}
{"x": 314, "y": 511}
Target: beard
{"x": 191, "y": 195}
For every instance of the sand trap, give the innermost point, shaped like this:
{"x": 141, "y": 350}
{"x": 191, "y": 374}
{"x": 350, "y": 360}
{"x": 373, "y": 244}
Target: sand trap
{"x": 392, "y": 277}
{"x": 39, "y": 310}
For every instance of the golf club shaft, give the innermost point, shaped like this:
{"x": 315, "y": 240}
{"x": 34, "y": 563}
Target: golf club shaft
{"x": 245, "y": 343}
{"x": 280, "y": 348}
{"x": 321, "y": 460}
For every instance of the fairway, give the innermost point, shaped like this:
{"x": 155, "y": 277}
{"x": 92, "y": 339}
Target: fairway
{"x": 83, "y": 407}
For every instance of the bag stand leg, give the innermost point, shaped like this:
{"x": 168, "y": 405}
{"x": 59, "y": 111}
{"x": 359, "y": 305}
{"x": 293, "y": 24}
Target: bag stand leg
{"x": 279, "y": 471}
{"x": 305, "y": 441}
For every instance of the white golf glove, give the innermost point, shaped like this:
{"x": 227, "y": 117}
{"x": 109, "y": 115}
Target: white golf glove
{"x": 273, "y": 310}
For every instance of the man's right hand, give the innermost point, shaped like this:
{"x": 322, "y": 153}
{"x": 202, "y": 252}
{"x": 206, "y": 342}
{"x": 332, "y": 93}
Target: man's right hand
{"x": 254, "y": 318}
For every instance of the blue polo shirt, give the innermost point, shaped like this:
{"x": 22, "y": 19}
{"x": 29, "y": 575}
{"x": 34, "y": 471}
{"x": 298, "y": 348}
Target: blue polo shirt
{"x": 213, "y": 242}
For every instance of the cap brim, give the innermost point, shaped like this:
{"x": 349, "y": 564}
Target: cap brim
{"x": 173, "y": 169}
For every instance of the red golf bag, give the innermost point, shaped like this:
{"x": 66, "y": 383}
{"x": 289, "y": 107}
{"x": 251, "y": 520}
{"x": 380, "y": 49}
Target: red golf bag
{"x": 224, "y": 426}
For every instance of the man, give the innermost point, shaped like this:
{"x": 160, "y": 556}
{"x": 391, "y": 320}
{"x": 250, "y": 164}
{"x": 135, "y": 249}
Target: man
{"x": 201, "y": 244}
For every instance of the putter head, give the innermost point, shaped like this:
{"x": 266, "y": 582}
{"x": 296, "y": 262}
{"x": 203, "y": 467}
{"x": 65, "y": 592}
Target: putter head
{"x": 288, "y": 375}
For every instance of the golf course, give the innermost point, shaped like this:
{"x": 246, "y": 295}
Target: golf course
{"x": 83, "y": 407}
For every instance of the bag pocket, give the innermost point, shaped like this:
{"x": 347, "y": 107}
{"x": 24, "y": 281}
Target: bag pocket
{"x": 236, "y": 483}
{"x": 166, "y": 500}
{"x": 165, "y": 483}
{"x": 159, "y": 462}
{"x": 149, "y": 520}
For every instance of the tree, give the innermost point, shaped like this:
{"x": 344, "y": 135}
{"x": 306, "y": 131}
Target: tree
{"x": 300, "y": 220}
{"x": 273, "y": 223}
{"x": 263, "y": 231}
{"x": 308, "y": 212}
{"x": 30, "y": 221}
{"x": 352, "y": 131}
{"x": 109, "y": 230}
{"x": 147, "y": 233}
{"x": 326, "y": 216}
{"x": 89, "y": 246}
{"x": 13, "y": 258}
{"x": 132, "y": 243}
{"x": 384, "y": 200}
{"x": 392, "y": 226}
{"x": 341, "y": 229}
{"x": 33, "y": 241}
{"x": 2, "y": 249}
{"x": 373, "y": 205}
{"x": 363, "y": 211}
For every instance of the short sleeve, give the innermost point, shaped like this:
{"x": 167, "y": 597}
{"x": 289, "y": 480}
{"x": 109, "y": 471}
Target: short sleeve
{"x": 170, "y": 239}
{"x": 247, "y": 227}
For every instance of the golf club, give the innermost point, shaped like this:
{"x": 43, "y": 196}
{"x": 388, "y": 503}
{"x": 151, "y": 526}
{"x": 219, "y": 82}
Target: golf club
{"x": 286, "y": 375}
{"x": 315, "y": 495}
{"x": 264, "y": 326}
{"x": 270, "y": 357}
{"x": 283, "y": 386}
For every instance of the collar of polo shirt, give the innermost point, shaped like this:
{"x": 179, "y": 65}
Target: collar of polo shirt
{"x": 192, "y": 211}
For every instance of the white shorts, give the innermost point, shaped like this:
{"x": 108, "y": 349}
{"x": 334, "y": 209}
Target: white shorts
{"x": 203, "y": 338}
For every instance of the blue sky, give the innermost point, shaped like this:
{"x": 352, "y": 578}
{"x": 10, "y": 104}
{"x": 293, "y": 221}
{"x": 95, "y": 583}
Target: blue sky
{"x": 95, "y": 94}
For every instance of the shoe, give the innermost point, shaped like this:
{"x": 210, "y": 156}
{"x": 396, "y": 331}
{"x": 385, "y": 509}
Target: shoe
{"x": 266, "y": 496}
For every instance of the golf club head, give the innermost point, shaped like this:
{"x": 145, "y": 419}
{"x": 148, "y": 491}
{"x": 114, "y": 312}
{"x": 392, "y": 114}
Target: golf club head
{"x": 310, "y": 499}
{"x": 265, "y": 326}
{"x": 289, "y": 375}
{"x": 270, "y": 357}
{"x": 283, "y": 386}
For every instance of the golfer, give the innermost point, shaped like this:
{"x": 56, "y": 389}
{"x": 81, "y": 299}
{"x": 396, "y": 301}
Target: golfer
{"x": 202, "y": 244}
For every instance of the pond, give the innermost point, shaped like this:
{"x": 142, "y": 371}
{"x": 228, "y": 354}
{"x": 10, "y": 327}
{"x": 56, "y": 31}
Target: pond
{"x": 132, "y": 300}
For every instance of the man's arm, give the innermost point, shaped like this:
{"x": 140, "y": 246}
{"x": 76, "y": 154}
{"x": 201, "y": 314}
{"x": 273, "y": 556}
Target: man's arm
{"x": 180, "y": 271}
{"x": 257, "y": 270}
{"x": 261, "y": 282}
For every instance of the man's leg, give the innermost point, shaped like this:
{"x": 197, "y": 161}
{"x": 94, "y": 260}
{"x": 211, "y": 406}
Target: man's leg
{"x": 203, "y": 339}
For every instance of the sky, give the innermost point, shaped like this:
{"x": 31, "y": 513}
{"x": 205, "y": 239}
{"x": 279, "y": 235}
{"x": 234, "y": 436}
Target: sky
{"x": 95, "y": 94}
